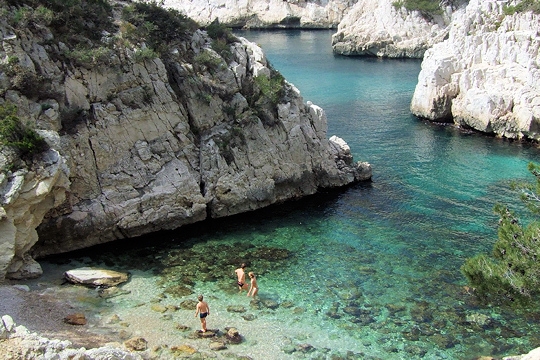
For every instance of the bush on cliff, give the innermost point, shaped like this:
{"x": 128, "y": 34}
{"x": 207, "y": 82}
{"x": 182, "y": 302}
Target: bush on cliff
{"x": 16, "y": 135}
{"x": 427, "y": 8}
{"x": 523, "y": 6}
{"x": 513, "y": 271}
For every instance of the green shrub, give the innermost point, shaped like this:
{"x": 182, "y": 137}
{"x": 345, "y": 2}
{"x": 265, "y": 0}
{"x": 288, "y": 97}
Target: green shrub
{"x": 427, "y": 8}
{"x": 216, "y": 31}
{"x": 513, "y": 271}
{"x": 156, "y": 25}
{"x": 523, "y": 6}
{"x": 90, "y": 57}
{"x": 14, "y": 134}
{"x": 144, "y": 54}
{"x": 209, "y": 60}
{"x": 271, "y": 87}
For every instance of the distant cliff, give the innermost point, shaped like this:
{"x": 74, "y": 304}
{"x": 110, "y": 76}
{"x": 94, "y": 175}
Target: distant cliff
{"x": 384, "y": 29}
{"x": 150, "y": 123}
{"x": 486, "y": 75}
{"x": 256, "y": 14}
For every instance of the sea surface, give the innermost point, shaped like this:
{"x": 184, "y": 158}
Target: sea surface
{"x": 368, "y": 272}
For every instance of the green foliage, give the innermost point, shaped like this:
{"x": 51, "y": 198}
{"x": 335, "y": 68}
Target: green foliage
{"x": 208, "y": 59}
{"x": 216, "y": 30}
{"x": 272, "y": 87}
{"x": 156, "y": 25}
{"x": 523, "y": 6}
{"x": 513, "y": 270}
{"x": 14, "y": 134}
{"x": 427, "y": 8}
{"x": 90, "y": 57}
{"x": 145, "y": 54}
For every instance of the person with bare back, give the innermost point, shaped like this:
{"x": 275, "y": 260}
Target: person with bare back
{"x": 241, "y": 276}
{"x": 254, "y": 288}
{"x": 203, "y": 310}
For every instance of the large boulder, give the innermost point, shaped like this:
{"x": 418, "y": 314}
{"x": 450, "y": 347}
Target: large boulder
{"x": 486, "y": 75}
{"x": 96, "y": 277}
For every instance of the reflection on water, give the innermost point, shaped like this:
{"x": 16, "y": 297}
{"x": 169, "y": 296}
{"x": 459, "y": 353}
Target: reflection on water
{"x": 369, "y": 272}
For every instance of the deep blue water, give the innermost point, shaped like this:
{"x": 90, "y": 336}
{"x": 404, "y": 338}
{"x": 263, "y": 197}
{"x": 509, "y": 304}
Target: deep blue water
{"x": 373, "y": 269}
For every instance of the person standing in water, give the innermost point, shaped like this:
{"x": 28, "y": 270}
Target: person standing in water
{"x": 254, "y": 289}
{"x": 203, "y": 311}
{"x": 241, "y": 275}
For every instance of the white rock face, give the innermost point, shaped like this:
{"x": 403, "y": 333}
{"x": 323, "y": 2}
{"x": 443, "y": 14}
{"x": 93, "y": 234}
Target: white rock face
{"x": 377, "y": 28}
{"x": 265, "y": 13}
{"x": 486, "y": 75}
{"x": 26, "y": 196}
{"x": 141, "y": 146}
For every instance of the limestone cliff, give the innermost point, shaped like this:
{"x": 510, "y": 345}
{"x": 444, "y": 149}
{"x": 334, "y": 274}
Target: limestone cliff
{"x": 142, "y": 140}
{"x": 307, "y": 14}
{"x": 378, "y": 28}
{"x": 486, "y": 75}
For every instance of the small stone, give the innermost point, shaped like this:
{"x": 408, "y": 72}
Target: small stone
{"x": 136, "y": 344}
{"x": 75, "y": 319}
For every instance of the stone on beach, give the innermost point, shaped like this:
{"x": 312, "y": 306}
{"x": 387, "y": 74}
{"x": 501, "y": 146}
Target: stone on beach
{"x": 95, "y": 277}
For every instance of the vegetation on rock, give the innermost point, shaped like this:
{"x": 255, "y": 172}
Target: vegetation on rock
{"x": 425, "y": 7}
{"x": 16, "y": 135}
{"x": 523, "y": 6}
{"x": 513, "y": 271}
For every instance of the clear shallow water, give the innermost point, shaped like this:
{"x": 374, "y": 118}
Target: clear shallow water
{"x": 371, "y": 271}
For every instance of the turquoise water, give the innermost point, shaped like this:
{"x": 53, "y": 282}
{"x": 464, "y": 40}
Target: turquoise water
{"x": 369, "y": 272}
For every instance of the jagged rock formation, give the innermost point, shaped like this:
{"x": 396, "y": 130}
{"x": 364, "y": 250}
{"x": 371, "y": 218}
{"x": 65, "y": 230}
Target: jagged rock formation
{"x": 254, "y": 14}
{"x": 486, "y": 75}
{"x": 378, "y": 28}
{"x": 144, "y": 143}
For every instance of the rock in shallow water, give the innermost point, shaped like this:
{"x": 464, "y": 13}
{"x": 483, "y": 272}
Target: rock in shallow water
{"x": 95, "y": 277}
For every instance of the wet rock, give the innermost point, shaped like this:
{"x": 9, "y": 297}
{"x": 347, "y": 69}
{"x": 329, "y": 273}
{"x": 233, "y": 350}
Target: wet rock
{"x": 352, "y": 310}
{"x": 233, "y": 336}
{"x": 416, "y": 351}
{"x": 75, "y": 319}
{"x": 305, "y": 348}
{"x": 272, "y": 254}
{"x": 182, "y": 327}
{"x": 115, "y": 319}
{"x": 158, "y": 308}
{"x": 443, "y": 341}
{"x": 178, "y": 291}
{"x": 217, "y": 346}
{"x": 287, "y": 304}
{"x": 249, "y": 317}
{"x": 136, "y": 344}
{"x": 95, "y": 277}
{"x": 299, "y": 310}
{"x": 288, "y": 349}
{"x": 422, "y": 312}
{"x": 188, "y": 304}
{"x": 124, "y": 335}
{"x": 111, "y": 292}
{"x": 270, "y": 304}
{"x": 478, "y": 319}
{"x": 236, "y": 309}
{"x": 393, "y": 308}
{"x": 183, "y": 350}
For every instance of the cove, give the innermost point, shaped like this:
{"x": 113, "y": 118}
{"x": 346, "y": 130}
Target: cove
{"x": 369, "y": 272}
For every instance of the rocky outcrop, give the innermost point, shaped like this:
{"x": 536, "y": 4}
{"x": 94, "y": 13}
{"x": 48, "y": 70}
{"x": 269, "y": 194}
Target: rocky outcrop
{"x": 145, "y": 143}
{"x": 255, "y": 14}
{"x": 27, "y": 195}
{"x": 378, "y": 28}
{"x": 486, "y": 75}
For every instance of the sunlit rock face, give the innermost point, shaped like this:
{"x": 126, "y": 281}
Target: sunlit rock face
{"x": 139, "y": 145}
{"x": 307, "y": 14}
{"x": 485, "y": 76}
{"x": 379, "y": 28}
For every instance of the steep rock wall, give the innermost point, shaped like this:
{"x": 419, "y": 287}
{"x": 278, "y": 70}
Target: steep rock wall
{"x": 140, "y": 144}
{"x": 486, "y": 75}
{"x": 309, "y": 14}
{"x": 378, "y": 28}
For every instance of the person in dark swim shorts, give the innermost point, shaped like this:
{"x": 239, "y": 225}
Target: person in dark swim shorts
{"x": 203, "y": 310}
{"x": 241, "y": 275}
